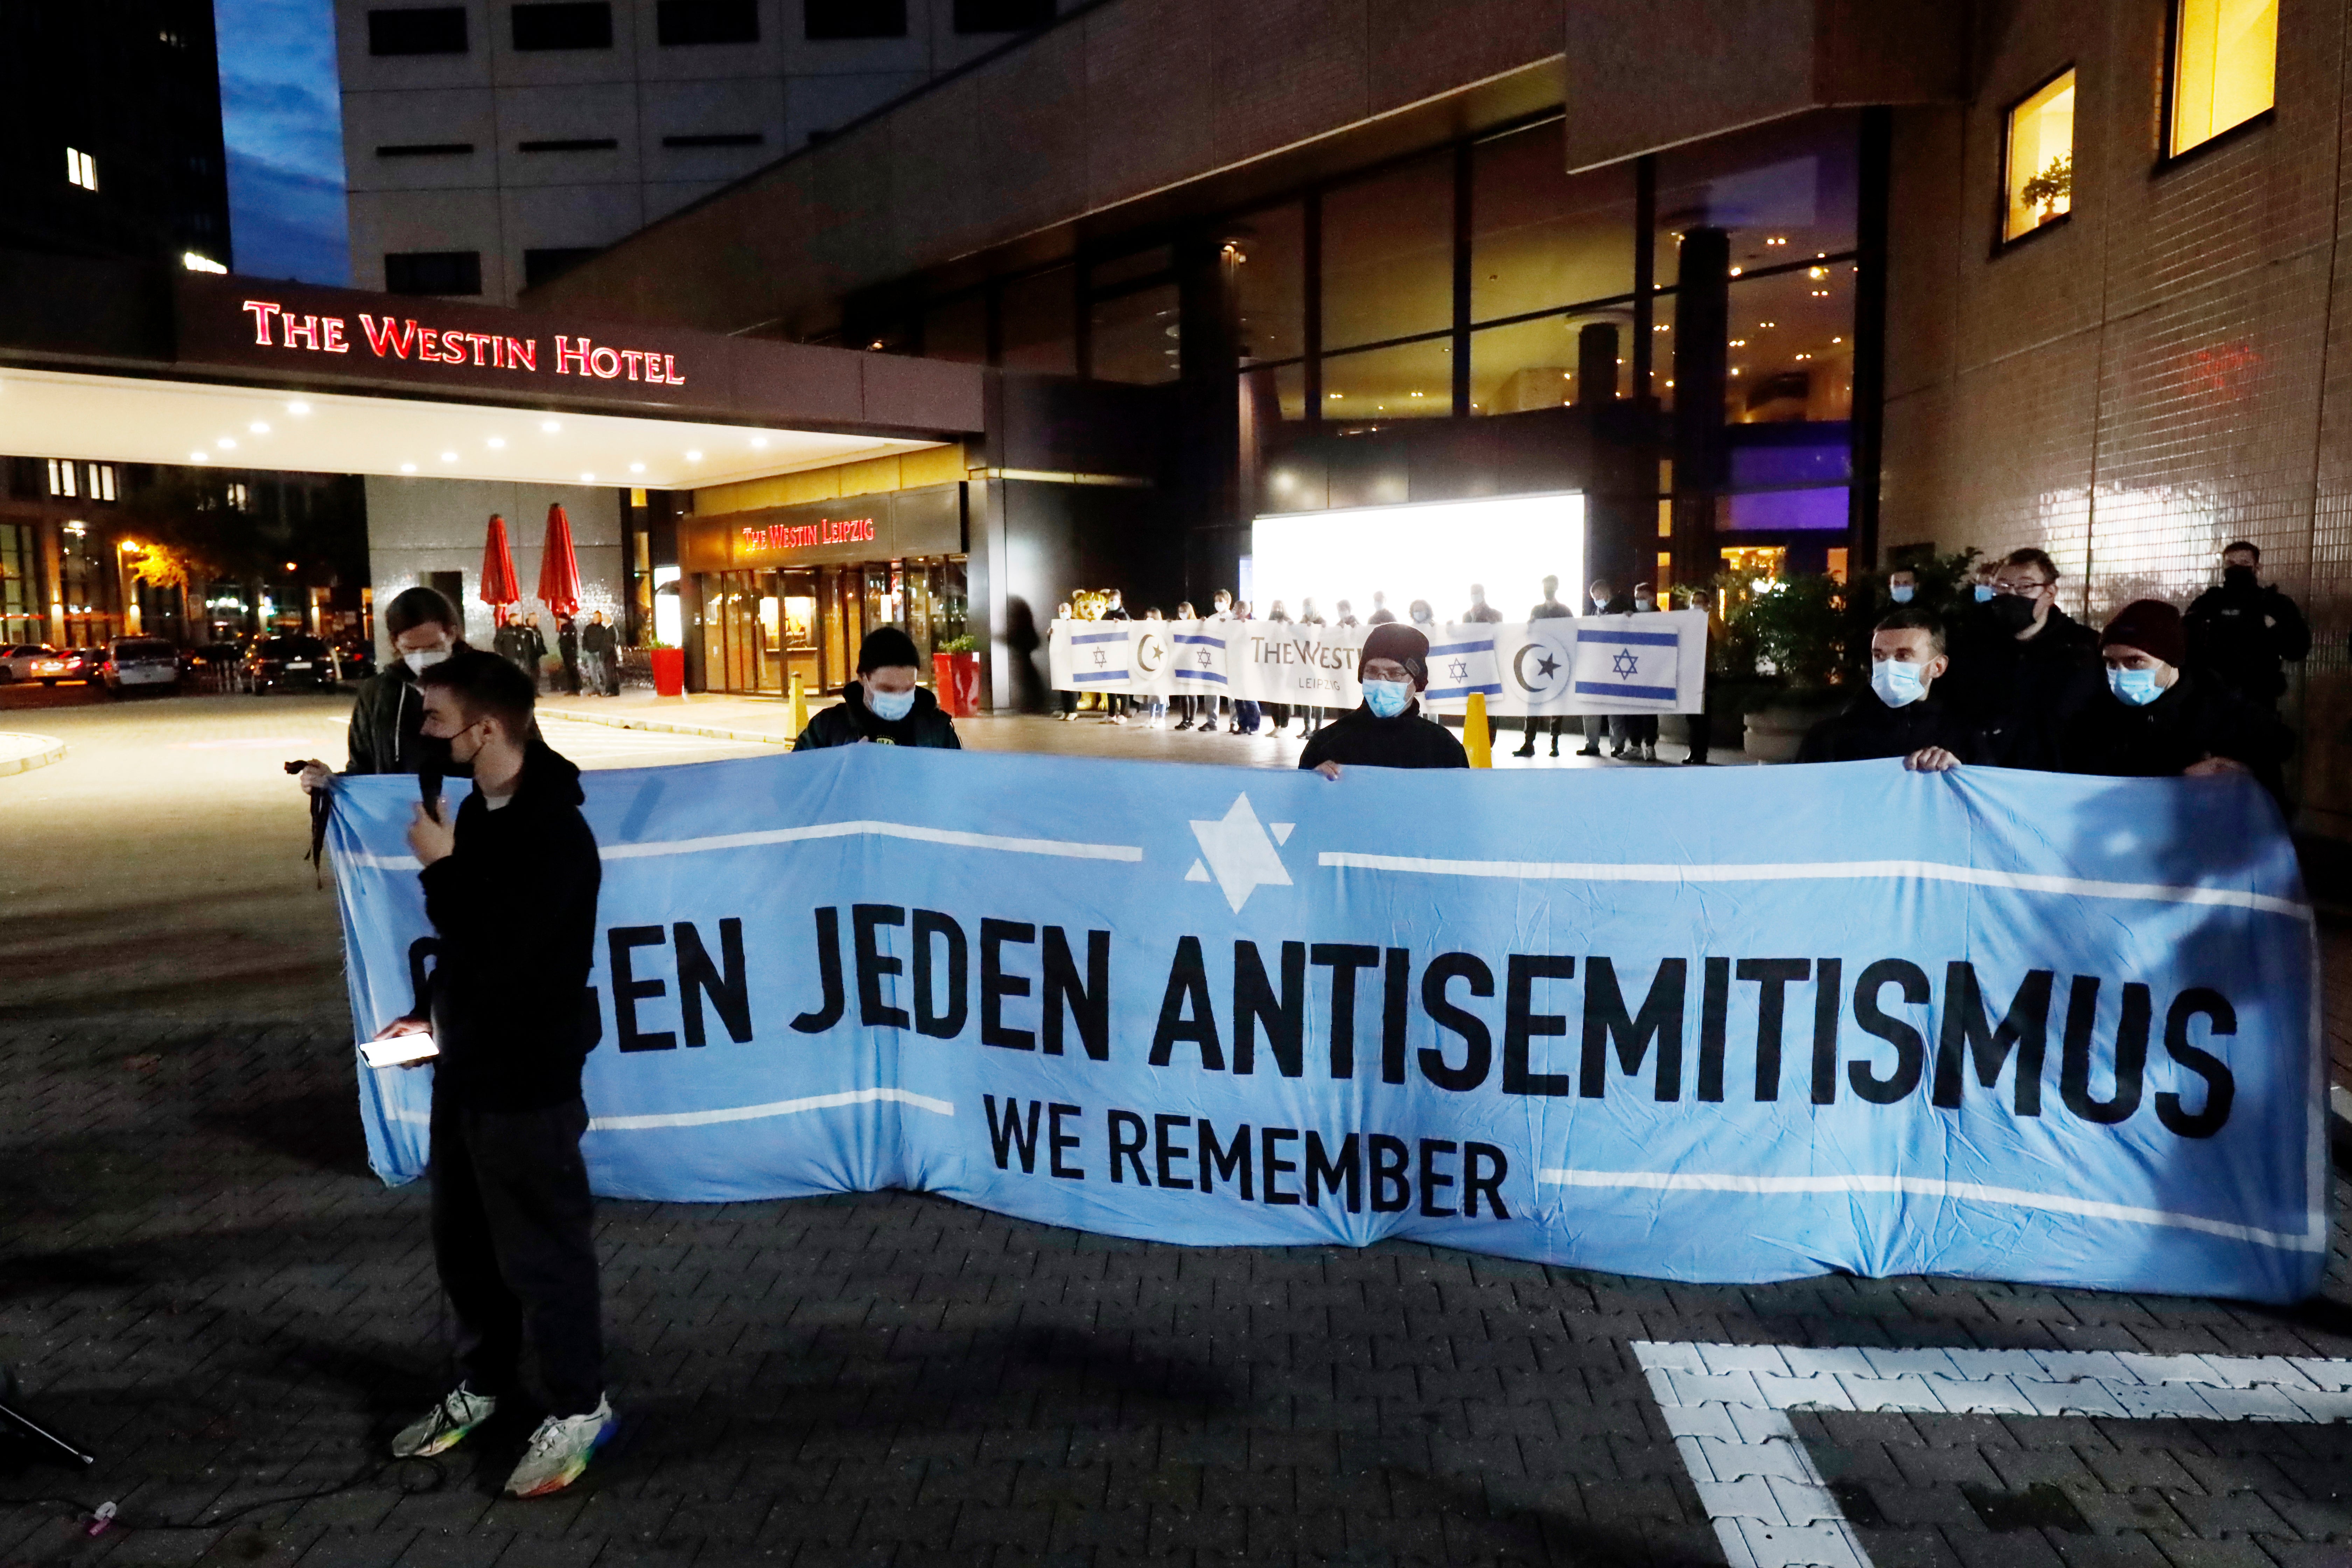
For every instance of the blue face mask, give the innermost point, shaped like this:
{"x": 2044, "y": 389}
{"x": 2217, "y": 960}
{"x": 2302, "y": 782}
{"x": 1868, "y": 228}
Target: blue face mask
{"x": 1899, "y": 685}
{"x": 1984, "y": 593}
{"x": 1387, "y": 698}
{"x": 2137, "y": 687}
{"x": 1902, "y": 596}
{"x": 890, "y": 706}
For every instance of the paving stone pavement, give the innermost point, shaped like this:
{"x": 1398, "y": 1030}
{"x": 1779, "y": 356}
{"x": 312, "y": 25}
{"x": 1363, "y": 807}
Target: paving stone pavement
{"x": 200, "y": 1282}
{"x": 203, "y": 1286}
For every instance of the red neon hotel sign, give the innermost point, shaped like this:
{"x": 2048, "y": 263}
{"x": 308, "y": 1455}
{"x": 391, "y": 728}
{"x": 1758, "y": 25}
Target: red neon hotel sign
{"x": 389, "y": 338}
{"x": 809, "y": 535}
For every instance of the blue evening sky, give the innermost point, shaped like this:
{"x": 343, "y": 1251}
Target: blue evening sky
{"x": 282, "y": 114}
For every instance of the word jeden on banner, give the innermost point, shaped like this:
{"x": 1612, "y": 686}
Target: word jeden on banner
{"x": 2002, "y": 1025}
{"x": 1654, "y": 663}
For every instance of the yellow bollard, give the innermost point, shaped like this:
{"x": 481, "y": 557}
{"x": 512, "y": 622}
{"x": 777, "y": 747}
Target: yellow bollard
{"x": 800, "y": 707}
{"x": 1475, "y": 739}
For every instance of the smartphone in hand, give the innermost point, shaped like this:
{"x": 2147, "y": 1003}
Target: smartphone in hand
{"x": 400, "y": 1051}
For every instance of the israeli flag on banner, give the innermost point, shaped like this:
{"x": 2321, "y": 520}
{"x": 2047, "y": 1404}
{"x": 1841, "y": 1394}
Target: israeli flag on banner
{"x": 1200, "y": 660}
{"x": 1461, "y": 666}
{"x": 1099, "y": 657}
{"x": 1614, "y": 661}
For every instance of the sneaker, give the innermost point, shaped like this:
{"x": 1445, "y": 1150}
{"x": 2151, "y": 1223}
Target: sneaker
{"x": 560, "y": 1451}
{"x": 445, "y": 1426}
{"x": 1528, "y": 751}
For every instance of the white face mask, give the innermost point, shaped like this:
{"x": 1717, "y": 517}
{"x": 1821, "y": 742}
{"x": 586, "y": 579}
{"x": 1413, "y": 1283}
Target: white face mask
{"x": 419, "y": 663}
{"x": 1645, "y": 604}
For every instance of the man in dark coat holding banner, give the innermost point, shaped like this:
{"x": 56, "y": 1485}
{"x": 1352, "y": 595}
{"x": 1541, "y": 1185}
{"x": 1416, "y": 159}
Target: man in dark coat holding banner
{"x": 1388, "y": 729}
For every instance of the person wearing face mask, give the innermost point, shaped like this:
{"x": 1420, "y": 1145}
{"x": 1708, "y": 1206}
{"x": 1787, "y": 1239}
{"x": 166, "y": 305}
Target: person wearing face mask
{"x": 1899, "y": 715}
{"x": 1606, "y": 601}
{"x": 506, "y": 1004}
{"x": 2245, "y": 634}
{"x": 2015, "y": 658}
{"x": 1381, "y": 614}
{"x": 386, "y": 734}
{"x": 1387, "y": 731}
{"x": 1421, "y": 616}
{"x": 2151, "y": 717}
{"x": 884, "y": 704}
{"x": 1902, "y": 587}
{"x": 1637, "y": 733}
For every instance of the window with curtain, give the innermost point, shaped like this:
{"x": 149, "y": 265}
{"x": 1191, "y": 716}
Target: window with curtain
{"x": 2224, "y": 67}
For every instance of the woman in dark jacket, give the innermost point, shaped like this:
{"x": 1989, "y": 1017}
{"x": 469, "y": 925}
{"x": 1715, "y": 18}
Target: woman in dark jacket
{"x": 883, "y": 705}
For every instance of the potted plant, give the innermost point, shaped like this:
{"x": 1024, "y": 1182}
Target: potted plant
{"x": 955, "y": 673}
{"x": 1792, "y": 636}
{"x": 669, "y": 669}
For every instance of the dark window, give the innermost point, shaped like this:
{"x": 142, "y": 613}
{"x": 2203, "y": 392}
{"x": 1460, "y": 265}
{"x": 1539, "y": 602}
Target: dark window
{"x": 855, "y": 19}
{"x": 434, "y": 30}
{"x": 571, "y": 144}
{"x": 424, "y": 150}
{"x": 707, "y": 22}
{"x": 545, "y": 266}
{"x": 716, "y": 138}
{"x": 433, "y": 272}
{"x": 1001, "y": 15}
{"x": 569, "y": 25}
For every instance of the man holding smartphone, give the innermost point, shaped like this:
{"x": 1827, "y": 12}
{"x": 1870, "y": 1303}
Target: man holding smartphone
{"x": 509, "y": 1009}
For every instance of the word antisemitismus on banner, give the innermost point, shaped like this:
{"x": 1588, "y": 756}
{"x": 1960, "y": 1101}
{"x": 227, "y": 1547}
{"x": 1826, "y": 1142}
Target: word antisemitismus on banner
{"x": 2014, "y": 1026}
{"x": 1654, "y": 663}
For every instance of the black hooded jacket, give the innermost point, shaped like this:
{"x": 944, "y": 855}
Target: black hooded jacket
{"x": 1360, "y": 740}
{"x": 509, "y": 998}
{"x": 387, "y": 733}
{"x": 852, "y": 721}
{"x": 2244, "y": 633}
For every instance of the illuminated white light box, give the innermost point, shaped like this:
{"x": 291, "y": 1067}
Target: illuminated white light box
{"x": 1432, "y": 550}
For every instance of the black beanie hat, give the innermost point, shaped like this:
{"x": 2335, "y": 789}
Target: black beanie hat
{"x": 2152, "y": 627}
{"x": 886, "y": 647}
{"x": 1402, "y": 643}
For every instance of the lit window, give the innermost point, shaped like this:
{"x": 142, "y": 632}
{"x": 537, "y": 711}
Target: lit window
{"x": 81, "y": 169}
{"x": 2224, "y": 67}
{"x": 196, "y": 261}
{"x": 62, "y": 481}
{"x": 239, "y": 499}
{"x": 2041, "y": 158}
{"x": 102, "y": 481}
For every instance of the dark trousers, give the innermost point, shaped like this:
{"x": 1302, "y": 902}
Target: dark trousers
{"x": 512, "y": 1238}
{"x": 1702, "y": 734}
{"x": 1559, "y": 722}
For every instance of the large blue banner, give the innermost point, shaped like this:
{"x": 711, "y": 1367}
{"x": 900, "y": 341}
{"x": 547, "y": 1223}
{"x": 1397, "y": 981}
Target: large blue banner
{"x": 1712, "y": 1025}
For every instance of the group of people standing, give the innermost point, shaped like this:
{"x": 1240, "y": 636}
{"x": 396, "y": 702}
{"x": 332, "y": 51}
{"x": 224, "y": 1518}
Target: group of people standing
{"x": 2006, "y": 678}
{"x": 589, "y": 654}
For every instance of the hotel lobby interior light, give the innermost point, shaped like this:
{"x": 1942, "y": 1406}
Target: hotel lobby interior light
{"x": 694, "y": 456}
{"x": 636, "y": 468}
{"x": 226, "y": 444}
{"x": 407, "y": 468}
{"x": 298, "y": 409}
{"x": 258, "y": 428}
{"x": 551, "y": 425}
{"x": 495, "y": 443}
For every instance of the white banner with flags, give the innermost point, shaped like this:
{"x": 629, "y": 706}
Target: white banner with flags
{"x": 1654, "y": 663}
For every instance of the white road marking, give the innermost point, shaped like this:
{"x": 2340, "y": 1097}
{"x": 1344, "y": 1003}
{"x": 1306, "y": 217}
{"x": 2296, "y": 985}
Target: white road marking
{"x": 1728, "y": 1407}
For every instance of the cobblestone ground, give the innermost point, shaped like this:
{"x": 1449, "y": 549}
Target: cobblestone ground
{"x": 201, "y": 1283}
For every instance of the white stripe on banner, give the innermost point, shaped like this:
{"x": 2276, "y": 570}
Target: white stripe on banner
{"x": 778, "y": 1107}
{"x": 1064, "y": 847}
{"x": 1931, "y": 1187}
{"x": 1822, "y": 871}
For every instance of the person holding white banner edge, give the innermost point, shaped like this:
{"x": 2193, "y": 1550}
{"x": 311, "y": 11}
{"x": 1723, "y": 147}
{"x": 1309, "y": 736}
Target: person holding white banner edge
{"x": 1387, "y": 731}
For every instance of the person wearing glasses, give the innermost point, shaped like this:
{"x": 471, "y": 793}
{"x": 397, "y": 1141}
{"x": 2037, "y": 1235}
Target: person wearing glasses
{"x": 2016, "y": 656}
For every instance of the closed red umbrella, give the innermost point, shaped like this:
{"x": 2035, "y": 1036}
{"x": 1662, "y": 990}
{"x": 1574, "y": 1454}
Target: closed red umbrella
{"x": 498, "y": 586}
{"x": 559, "y": 568}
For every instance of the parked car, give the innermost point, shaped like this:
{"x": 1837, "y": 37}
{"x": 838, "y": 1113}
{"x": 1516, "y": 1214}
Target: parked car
{"x": 141, "y": 664}
{"x": 280, "y": 661}
{"x": 355, "y": 658}
{"x": 32, "y": 661}
{"x": 214, "y": 667}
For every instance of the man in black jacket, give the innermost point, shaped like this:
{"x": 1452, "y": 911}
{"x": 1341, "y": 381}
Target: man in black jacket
{"x": 1899, "y": 716}
{"x": 2244, "y": 632}
{"x": 2015, "y": 658}
{"x": 1551, "y": 609}
{"x": 884, "y": 704}
{"x": 387, "y": 722}
{"x": 509, "y": 1011}
{"x": 2152, "y": 719}
{"x": 600, "y": 652}
{"x": 1606, "y": 601}
{"x": 1387, "y": 731}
